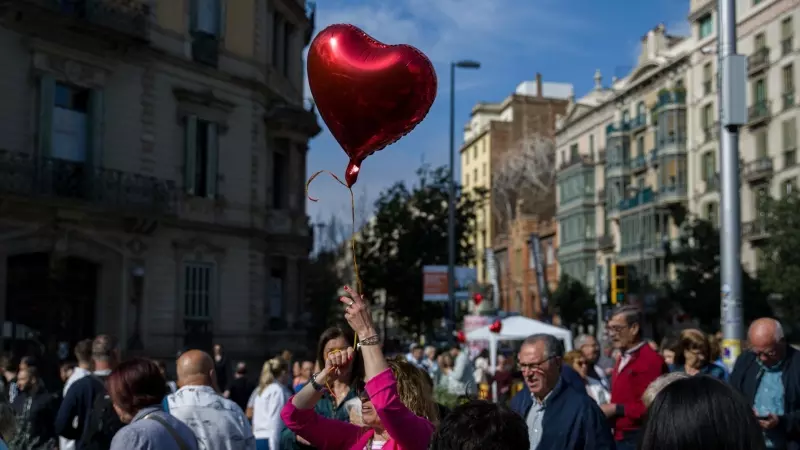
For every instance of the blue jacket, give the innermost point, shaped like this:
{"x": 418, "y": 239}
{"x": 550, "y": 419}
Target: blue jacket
{"x": 78, "y": 402}
{"x": 572, "y": 379}
{"x": 572, "y": 420}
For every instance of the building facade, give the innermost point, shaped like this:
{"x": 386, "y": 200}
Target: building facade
{"x": 153, "y": 170}
{"x": 768, "y": 143}
{"x": 622, "y": 166}
{"x": 495, "y": 129}
{"x": 660, "y": 159}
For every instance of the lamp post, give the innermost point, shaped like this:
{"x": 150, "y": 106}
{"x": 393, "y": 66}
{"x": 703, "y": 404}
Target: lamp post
{"x": 451, "y": 206}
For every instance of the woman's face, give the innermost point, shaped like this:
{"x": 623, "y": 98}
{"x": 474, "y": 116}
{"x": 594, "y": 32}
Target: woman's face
{"x": 580, "y": 366}
{"x": 368, "y": 414}
{"x": 339, "y": 344}
{"x": 669, "y": 356}
{"x": 694, "y": 357}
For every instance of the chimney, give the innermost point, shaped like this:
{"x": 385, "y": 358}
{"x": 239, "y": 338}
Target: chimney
{"x": 538, "y": 85}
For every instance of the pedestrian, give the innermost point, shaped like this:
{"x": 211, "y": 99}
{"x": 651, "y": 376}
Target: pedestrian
{"x": 558, "y": 416}
{"x": 137, "y": 388}
{"x": 8, "y": 425}
{"x": 36, "y": 410}
{"x": 693, "y": 355}
{"x": 270, "y": 397}
{"x": 588, "y": 346}
{"x": 481, "y": 425}
{"x": 83, "y": 353}
{"x": 637, "y": 367}
{"x": 768, "y": 376}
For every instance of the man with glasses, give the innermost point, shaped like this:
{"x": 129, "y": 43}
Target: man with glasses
{"x": 768, "y": 375}
{"x": 638, "y": 366}
{"x": 558, "y": 416}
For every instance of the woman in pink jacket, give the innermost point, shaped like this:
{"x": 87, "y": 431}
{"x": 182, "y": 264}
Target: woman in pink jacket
{"x": 397, "y": 409}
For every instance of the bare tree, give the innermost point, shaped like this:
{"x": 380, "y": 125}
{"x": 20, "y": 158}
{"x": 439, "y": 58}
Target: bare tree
{"x": 523, "y": 180}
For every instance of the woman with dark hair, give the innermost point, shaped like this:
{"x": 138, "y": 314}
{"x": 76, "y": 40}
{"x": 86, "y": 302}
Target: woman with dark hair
{"x": 335, "y": 405}
{"x": 700, "y": 413}
{"x": 137, "y": 388}
{"x": 693, "y": 355}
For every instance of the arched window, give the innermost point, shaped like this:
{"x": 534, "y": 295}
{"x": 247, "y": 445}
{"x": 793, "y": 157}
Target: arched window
{"x": 640, "y": 110}
{"x": 626, "y": 117}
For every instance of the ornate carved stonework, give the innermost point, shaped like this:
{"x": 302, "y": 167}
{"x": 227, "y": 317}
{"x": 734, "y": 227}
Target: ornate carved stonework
{"x": 70, "y": 70}
{"x": 197, "y": 248}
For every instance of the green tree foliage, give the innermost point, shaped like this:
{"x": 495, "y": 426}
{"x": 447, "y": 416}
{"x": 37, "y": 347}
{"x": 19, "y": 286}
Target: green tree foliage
{"x": 697, "y": 286}
{"x": 572, "y": 300}
{"x": 407, "y": 232}
{"x": 780, "y": 266}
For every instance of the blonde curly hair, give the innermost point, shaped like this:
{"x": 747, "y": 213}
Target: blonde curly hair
{"x": 415, "y": 388}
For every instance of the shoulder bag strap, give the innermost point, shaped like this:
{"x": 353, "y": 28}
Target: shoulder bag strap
{"x": 178, "y": 439}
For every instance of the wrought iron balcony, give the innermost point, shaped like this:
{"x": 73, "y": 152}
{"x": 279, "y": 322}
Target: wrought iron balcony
{"x": 755, "y": 230}
{"x": 711, "y": 132}
{"x": 759, "y": 112}
{"x": 638, "y": 122}
{"x": 712, "y": 183}
{"x": 675, "y": 192}
{"x": 605, "y": 242}
{"x": 758, "y": 61}
{"x": 758, "y": 170}
{"x": 787, "y": 45}
{"x": 644, "y": 197}
{"x": 128, "y": 18}
{"x": 788, "y": 99}
{"x": 653, "y": 157}
{"x": 675, "y": 97}
{"x": 52, "y": 179}
{"x": 639, "y": 163}
{"x": 707, "y": 87}
{"x": 575, "y": 160}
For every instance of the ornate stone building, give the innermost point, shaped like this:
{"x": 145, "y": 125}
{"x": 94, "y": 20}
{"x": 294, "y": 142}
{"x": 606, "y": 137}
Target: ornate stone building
{"x": 152, "y": 172}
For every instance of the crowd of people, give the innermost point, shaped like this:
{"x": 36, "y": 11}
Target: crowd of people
{"x": 675, "y": 396}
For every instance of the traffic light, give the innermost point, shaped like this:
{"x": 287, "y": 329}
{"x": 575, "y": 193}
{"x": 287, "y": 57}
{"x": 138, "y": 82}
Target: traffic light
{"x": 619, "y": 283}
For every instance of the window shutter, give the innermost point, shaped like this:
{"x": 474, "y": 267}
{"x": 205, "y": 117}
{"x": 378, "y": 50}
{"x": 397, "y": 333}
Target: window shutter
{"x": 212, "y": 138}
{"x": 47, "y": 99}
{"x": 190, "y": 162}
{"x": 94, "y": 154}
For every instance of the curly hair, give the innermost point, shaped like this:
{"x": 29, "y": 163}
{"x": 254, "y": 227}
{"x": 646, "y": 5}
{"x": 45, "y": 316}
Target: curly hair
{"x": 415, "y": 388}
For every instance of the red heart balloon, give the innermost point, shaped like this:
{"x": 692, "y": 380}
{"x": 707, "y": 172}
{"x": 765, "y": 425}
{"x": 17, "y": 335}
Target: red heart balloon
{"x": 477, "y": 298}
{"x": 368, "y": 93}
{"x": 496, "y": 326}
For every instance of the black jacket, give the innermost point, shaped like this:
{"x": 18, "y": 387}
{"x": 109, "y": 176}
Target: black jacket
{"x": 36, "y": 411}
{"x": 745, "y": 379}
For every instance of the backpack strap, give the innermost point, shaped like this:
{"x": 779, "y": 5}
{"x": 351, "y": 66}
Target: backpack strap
{"x": 182, "y": 445}
{"x": 165, "y": 404}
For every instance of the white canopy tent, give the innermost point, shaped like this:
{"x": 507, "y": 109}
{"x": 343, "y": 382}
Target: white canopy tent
{"x": 516, "y": 328}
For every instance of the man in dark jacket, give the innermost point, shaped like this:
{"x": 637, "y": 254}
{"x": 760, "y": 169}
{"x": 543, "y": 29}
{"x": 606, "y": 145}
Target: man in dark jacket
{"x": 768, "y": 375}
{"x": 36, "y": 410}
{"x": 558, "y": 416}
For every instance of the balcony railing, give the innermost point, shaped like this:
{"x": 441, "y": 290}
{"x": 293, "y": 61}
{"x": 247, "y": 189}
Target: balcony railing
{"x": 127, "y": 17}
{"x": 712, "y": 183}
{"x": 638, "y": 122}
{"x": 758, "y": 170}
{"x": 754, "y": 230}
{"x": 639, "y": 162}
{"x": 788, "y": 99}
{"x": 605, "y": 242}
{"x": 787, "y": 45}
{"x": 653, "y": 157}
{"x": 758, "y": 61}
{"x": 56, "y": 179}
{"x": 621, "y": 127}
{"x": 759, "y": 112}
{"x": 673, "y": 97}
{"x": 644, "y": 197}
{"x": 707, "y": 87}
{"x": 711, "y": 132}
{"x": 789, "y": 156}
{"x": 672, "y": 193}
{"x": 575, "y": 160}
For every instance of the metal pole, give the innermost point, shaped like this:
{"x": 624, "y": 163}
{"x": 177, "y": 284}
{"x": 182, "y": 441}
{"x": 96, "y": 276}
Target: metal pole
{"x": 731, "y": 91}
{"x": 451, "y": 207}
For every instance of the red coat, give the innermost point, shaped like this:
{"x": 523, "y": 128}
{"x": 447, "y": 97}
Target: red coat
{"x": 628, "y": 386}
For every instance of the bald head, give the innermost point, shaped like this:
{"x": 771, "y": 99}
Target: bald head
{"x": 196, "y": 368}
{"x": 766, "y": 340}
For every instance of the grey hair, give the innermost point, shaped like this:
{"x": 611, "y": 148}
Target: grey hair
{"x": 8, "y": 422}
{"x": 660, "y": 383}
{"x": 553, "y": 346}
{"x": 632, "y": 314}
{"x": 582, "y": 340}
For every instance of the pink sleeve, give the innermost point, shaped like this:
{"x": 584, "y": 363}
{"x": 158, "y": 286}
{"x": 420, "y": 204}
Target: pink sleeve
{"x": 404, "y": 427}
{"x": 321, "y": 432}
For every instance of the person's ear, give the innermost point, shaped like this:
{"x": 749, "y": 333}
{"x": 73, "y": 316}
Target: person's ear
{"x": 635, "y": 329}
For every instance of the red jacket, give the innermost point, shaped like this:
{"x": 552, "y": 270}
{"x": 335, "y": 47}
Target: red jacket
{"x": 628, "y": 386}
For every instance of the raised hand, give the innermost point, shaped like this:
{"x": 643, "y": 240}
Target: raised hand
{"x": 357, "y": 314}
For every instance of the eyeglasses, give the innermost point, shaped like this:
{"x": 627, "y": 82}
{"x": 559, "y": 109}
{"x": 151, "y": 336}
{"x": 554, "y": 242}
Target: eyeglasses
{"x": 533, "y": 366}
{"x": 766, "y": 353}
{"x": 616, "y": 328}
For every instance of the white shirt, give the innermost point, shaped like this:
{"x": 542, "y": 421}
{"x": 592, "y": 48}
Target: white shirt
{"x": 267, "y": 407}
{"x": 218, "y": 423}
{"x": 598, "y": 392}
{"x": 77, "y": 374}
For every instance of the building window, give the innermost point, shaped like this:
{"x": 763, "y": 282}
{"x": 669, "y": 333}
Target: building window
{"x": 466, "y": 180}
{"x": 640, "y": 146}
{"x": 788, "y": 187}
{"x": 198, "y": 290}
{"x": 573, "y": 152}
{"x": 280, "y": 167}
{"x": 466, "y": 157}
{"x": 483, "y": 171}
{"x": 475, "y": 152}
{"x": 705, "y": 26}
{"x": 475, "y": 175}
{"x": 70, "y": 123}
{"x": 708, "y": 166}
{"x": 708, "y": 79}
{"x": 712, "y": 215}
{"x": 591, "y": 147}
{"x": 788, "y": 78}
{"x": 756, "y": 2}
{"x": 202, "y": 152}
{"x": 789, "y": 138}
{"x": 759, "y": 91}
{"x": 275, "y": 291}
{"x": 762, "y": 141}
{"x": 787, "y": 36}
{"x": 760, "y": 41}
{"x": 206, "y": 28}
{"x": 760, "y": 201}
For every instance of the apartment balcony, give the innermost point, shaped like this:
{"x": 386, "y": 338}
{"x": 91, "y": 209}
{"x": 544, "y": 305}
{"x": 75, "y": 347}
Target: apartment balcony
{"x": 639, "y": 163}
{"x": 586, "y": 244}
{"x": 755, "y": 230}
{"x": 708, "y": 87}
{"x": 284, "y": 117}
{"x": 790, "y": 156}
{"x": 759, "y": 170}
{"x": 638, "y": 122}
{"x": 120, "y": 20}
{"x": 62, "y": 182}
{"x": 711, "y": 133}
{"x": 787, "y": 45}
{"x": 759, "y": 113}
{"x": 671, "y": 194}
{"x": 576, "y": 161}
{"x": 670, "y": 98}
{"x": 605, "y": 242}
{"x": 619, "y": 128}
{"x": 710, "y": 184}
{"x": 758, "y": 61}
{"x": 788, "y": 100}
{"x": 652, "y": 157}
{"x": 617, "y": 170}
{"x": 671, "y": 144}
{"x": 643, "y": 198}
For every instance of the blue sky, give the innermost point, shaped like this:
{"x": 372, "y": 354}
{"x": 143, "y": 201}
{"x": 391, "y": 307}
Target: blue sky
{"x": 565, "y": 40}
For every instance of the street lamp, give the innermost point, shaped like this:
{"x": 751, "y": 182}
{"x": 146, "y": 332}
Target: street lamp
{"x": 639, "y": 191}
{"x": 451, "y": 206}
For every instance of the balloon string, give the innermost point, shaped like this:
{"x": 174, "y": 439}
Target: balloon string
{"x": 359, "y": 286}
